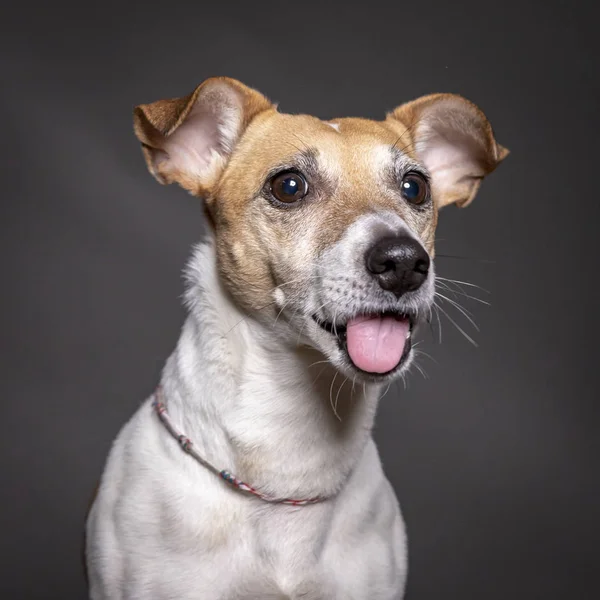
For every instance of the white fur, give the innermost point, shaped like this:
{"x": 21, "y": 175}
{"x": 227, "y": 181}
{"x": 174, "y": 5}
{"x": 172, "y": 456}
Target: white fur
{"x": 163, "y": 527}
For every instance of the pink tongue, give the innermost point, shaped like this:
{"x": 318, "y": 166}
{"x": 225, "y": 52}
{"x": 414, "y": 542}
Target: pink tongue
{"x": 375, "y": 344}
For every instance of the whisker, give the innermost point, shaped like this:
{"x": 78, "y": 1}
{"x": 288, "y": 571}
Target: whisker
{"x": 247, "y": 316}
{"x": 318, "y": 362}
{"x": 481, "y": 260}
{"x": 458, "y": 326}
{"x": 334, "y": 323}
{"x": 338, "y": 394}
{"x": 437, "y": 314}
{"x": 404, "y": 381}
{"x": 458, "y": 307}
{"x": 387, "y": 389}
{"x": 331, "y": 396}
{"x": 463, "y": 283}
{"x": 306, "y": 320}
{"x": 426, "y": 355}
{"x": 282, "y": 309}
{"x": 300, "y": 140}
{"x": 418, "y": 367}
{"x": 461, "y": 293}
{"x": 408, "y": 128}
{"x": 319, "y": 375}
{"x": 303, "y": 278}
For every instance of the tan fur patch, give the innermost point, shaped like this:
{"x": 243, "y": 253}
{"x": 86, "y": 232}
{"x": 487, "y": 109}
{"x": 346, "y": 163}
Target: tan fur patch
{"x": 253, "y": 237}
{"x": 348, "y": 171}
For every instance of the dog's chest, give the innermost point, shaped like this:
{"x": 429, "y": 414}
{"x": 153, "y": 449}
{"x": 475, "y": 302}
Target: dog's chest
{"x": 259, "y": 551}
{"x": 289, "y": 545}
{"x": 247, "y": 550}
{"x": 169, "y": 528}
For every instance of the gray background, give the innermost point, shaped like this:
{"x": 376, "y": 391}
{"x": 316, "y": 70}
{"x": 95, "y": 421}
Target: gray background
{"x": 494, "y": 456}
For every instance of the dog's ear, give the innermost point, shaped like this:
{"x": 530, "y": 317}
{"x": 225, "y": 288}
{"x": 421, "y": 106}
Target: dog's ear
{"x": 454, "y": 140}
{"x": 188, "y": 140}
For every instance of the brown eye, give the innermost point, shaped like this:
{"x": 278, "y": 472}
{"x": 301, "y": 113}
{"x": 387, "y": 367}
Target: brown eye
{"x": 414, "y": 188}
{"x": 289, "y": 187}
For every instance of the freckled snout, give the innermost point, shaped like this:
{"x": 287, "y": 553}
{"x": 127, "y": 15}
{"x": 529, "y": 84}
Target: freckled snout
{"x": 398, "y": 264}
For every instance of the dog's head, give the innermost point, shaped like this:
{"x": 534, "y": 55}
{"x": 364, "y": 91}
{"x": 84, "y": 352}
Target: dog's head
{"x": 323, "y": 229}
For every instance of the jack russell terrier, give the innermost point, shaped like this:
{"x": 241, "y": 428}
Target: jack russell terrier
{"x": 251, "y": 472}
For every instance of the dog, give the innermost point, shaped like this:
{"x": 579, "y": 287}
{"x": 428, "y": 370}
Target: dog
{"x": 252, "y": 472}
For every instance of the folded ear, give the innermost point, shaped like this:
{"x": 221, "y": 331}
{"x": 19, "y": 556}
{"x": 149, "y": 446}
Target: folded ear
{"x": 454, "y": 140}
{"x": 189, "y": 139}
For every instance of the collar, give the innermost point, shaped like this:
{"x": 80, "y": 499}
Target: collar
{"x": 187, "y": 446}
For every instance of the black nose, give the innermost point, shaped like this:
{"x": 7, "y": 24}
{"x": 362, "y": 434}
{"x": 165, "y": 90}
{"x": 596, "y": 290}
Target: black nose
{"x": 399, "y": 264}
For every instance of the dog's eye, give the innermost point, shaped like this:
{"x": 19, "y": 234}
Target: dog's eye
{"x": 414, "y": 188}
{"x": 289, "y": 187}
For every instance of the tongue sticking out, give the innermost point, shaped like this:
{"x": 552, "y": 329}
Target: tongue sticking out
{"x": 376, "y": 344}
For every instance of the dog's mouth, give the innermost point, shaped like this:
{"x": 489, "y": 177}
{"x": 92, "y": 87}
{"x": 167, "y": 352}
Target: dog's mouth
{"x": 376, "y": 344}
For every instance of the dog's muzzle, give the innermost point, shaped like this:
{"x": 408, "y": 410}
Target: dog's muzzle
{"x": 374, "y": 320}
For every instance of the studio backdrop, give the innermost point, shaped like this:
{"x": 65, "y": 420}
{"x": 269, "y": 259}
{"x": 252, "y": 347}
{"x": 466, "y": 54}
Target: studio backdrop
{"x": 492, "y": 445}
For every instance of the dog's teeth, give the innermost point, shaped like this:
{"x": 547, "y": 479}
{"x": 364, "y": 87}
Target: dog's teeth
{"x": 408, "y": 334}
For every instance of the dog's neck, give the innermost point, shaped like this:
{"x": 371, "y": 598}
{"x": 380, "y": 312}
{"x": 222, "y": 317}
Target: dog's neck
{"x": 275, "y": 414}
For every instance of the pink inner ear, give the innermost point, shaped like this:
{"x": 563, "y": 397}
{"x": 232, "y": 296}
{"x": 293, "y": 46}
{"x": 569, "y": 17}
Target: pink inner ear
{"x": 452, "y": 145}
{"x": 448, "y": 162}
{"x": 190, "y": 148}
{"x": 209, "y": 130}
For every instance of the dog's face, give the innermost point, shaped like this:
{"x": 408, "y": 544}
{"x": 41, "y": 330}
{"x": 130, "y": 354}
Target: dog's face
{"x": 324, "y": 230}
